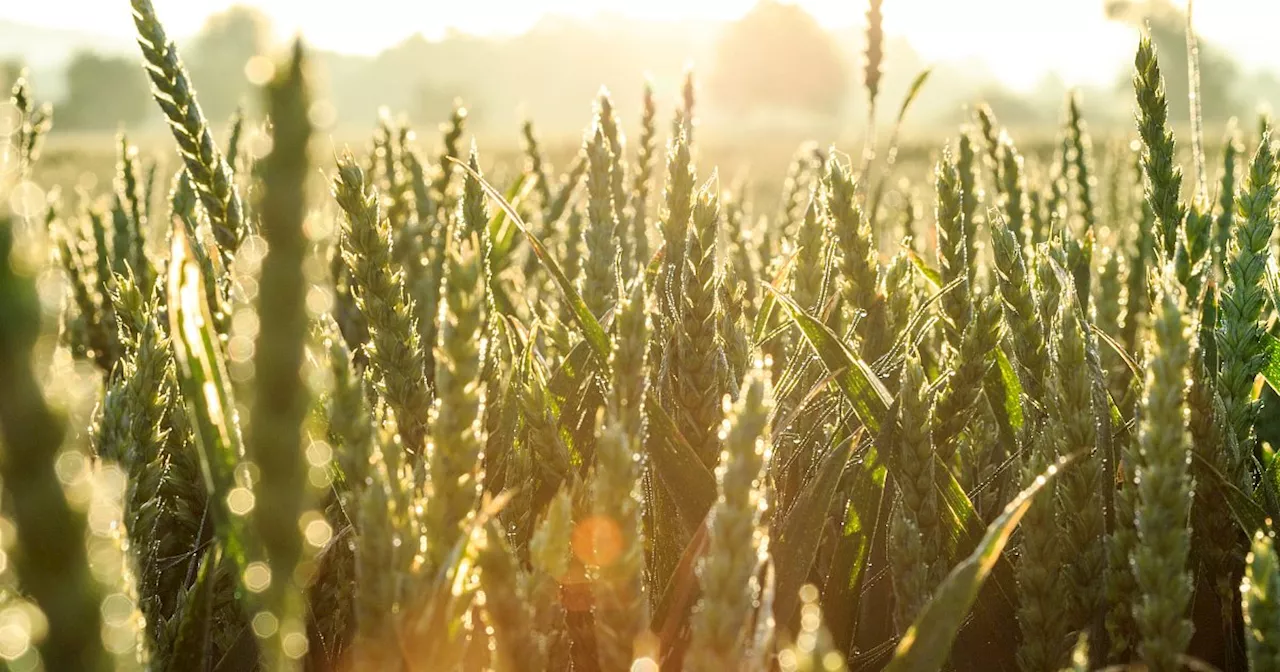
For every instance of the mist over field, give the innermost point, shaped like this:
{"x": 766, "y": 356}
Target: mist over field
{"x": 771, "y": 67}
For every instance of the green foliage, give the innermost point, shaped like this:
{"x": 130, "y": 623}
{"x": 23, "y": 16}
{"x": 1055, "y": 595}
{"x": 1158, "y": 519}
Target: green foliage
{"x": 520, "y": 439}
{"x": 103, "y": 93}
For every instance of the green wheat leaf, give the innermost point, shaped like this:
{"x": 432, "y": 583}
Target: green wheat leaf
{"x": 590, "y": 326}
{"x": 859, "y": 383}
{"x": 927, "y": 644}
{"x": 800, "y": 532}
{"x": 202, "y": 374}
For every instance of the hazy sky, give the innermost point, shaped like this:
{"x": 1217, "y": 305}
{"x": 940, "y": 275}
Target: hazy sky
{"x": 1020, "y": 40}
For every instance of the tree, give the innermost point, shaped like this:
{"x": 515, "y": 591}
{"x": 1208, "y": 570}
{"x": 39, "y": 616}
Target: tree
{"x": 104, "y": 92}
{"x": 778, "y": 58}
{"x": 219, "y": 53}
{"x": 1167, "y": 25}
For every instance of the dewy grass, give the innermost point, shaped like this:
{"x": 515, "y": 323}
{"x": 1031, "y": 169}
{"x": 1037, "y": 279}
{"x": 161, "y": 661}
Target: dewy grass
{"x": 1164, "y": 487}
{"x": 395, "y": 351}
{"x": 727, "y": 576}
{"x": 516, "y": 419}
{"x": 1163, "y": 175}
{"x": 599, "y": 285}
{"x": 176, "y": 97}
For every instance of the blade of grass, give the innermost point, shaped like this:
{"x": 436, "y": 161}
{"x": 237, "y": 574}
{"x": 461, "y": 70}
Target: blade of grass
{"x": 931, "y": 274}
{"x": 691, "y": 484}
{"x": 590, "y": 326}
{"x": 1271, "y": 365}
{"x": 859, "y": 383}
{"x": 1249, "y": 515}
{"x": 1115, "y": 345}
{"x": 206, "y": 389}
{"x": 891, "y": 158}
{"x": 927, "y": 644}
{"x": 799, "y": 533}
{"x": 768, "y": 303}
{"x": 1011, "y": 386}
{"x": 502, "y": 236}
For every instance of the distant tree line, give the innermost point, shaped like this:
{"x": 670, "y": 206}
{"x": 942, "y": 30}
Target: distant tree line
{"x": 775, "y": 62}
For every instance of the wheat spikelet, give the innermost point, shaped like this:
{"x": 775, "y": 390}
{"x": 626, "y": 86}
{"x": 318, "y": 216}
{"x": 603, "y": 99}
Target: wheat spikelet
{"x": 457, "y": 439}
{"x": 1244, "y": 304}
{"x": 1164, "y": 492}
{"x": 917, "y": 547}
{"x": 1073, "y": 420}
{"x": 1225, "y": 221}
{"x": 210, "y": 173}
{"x": 449, "y": 153}
{"x": 958, "y": 401}
{"x": 698, "y": 380}
{"x": 736, "y": 548}
{"x": 810, "y": 271}
{"x": 1042, "y": 613}
{"x": 859, "y": 261}
{"x": 599, "y": 279}
{"x": 642, "y": 178}
{"x": 1162, "y": 173}
{"x": 1021, "y": 311}
{"x": 534, "y": 163}
{"x": 953, "y": 248}
{"x": 395, "y": 353}
{"x": 1081, "y": 163}
{"x": 621, "y": 612}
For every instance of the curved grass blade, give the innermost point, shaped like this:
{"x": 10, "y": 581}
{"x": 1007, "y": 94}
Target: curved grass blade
{"x": 1249, "y": 515}
{"x": 927, "y": 644}
{"x": 859, "y": 383}
{"x": 931, "y": 274}
{"x": 590, "y": 326}
{"x": 892, "y": 156}
{"x": 768, "y": 303}
{"x": 1267, "y": 495}
{"x": 502, "y": 235}
{"x": 206, "y": 389}
{"x": 682, "y": 590}
{"x": 996, "y": 619}
{"x": 1115, "y": 345}
{"x": 654, "y": 268}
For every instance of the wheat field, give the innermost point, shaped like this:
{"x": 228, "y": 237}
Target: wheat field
{"x": 611, "y": 411}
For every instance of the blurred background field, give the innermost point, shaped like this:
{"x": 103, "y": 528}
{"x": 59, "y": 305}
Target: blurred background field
{"x": 773, "y": 75}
